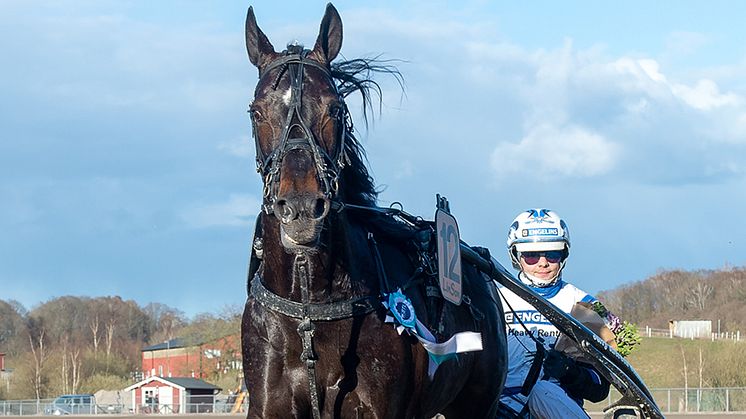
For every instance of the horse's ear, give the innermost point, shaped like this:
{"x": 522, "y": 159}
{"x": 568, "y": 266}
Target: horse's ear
{"x": 329, "y": 41}
{"x": 257, "y": 44}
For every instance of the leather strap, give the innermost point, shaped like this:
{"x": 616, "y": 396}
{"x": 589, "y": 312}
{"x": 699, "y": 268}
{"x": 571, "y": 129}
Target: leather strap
{"x": 317, "y": 312}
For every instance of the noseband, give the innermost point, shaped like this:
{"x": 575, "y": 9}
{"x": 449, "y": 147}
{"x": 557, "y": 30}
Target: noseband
{"x": 328, "y": 167}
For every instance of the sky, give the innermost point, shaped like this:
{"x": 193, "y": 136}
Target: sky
{"x": 127, "y": 164}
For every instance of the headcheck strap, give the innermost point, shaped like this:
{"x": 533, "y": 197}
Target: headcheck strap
{"x": 294, "y": 58}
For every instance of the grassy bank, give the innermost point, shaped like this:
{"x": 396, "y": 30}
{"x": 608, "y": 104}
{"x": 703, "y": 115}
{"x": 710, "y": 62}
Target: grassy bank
{"x": 661, "y": 362}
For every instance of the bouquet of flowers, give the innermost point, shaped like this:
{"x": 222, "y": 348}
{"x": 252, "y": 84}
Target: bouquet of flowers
{"x": 625, "y": 333}
{"x": 620, "y": 335}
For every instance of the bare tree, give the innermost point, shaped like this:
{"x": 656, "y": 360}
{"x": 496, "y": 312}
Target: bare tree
{"x": 64, "y": 373}
{"x": 699, "y": 294}
{"x": 39, "y": 358}
{"x": 110, "y": 327}
{"x": 94, "y": 330}
{"x": 686, "y": 381}
{"x": 76, "y": 366}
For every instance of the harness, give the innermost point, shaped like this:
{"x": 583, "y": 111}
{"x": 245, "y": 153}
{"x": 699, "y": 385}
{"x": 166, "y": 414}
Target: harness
{"x": 308, "y": 312}
{"x": 328, "y": 167}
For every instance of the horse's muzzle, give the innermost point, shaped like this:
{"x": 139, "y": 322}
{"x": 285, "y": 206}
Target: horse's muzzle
{"x": 301, "y": 218}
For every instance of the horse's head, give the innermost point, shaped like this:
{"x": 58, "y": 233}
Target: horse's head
{"x": 299, "y": 121}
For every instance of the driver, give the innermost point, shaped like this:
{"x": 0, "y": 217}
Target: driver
{"x": 542, "y": 382}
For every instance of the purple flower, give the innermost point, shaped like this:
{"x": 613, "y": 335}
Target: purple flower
{"x": 613, "y": 322}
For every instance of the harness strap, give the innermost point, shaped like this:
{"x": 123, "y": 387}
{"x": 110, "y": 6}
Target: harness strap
{"x": 384, "y": 286}
{"x": 305, "y": 330}
{"x": 296, "y": 58}
{"x": 316, "y": 312}
{"x": 257, "y": 253}
{"x": 533, "y": 373}
{"x": 308, "y": 357}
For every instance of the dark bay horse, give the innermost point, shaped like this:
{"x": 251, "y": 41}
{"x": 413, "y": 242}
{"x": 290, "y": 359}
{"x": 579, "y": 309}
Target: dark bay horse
{"x": 315, "y": 337}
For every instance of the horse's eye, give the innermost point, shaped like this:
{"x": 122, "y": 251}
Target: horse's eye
{"x": 335, "y": 110}
{"x": 256, "y": 114}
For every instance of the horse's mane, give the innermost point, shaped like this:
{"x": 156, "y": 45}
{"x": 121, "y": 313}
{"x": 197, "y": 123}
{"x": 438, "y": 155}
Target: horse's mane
{"x": 356, "y": 76}
{"x": 358, "y": 186}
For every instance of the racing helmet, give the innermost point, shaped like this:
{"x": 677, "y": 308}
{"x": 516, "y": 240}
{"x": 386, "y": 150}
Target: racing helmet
{"x": 537, "y": 230}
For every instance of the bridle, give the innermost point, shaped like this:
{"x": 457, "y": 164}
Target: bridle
{"x": 328, "y": 167}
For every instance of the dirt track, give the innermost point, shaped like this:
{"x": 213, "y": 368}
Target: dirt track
{"x": 242, "y": 416}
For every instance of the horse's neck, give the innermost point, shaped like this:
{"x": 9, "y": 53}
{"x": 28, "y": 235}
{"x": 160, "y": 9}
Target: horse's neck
{"x": 337, "y": 269}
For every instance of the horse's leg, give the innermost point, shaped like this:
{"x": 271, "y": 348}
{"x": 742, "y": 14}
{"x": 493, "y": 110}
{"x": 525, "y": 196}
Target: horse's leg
{"x": 271, "y": 365}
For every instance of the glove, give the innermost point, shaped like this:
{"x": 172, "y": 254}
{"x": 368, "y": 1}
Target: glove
{"x": 576, "y": 378}
{"x": 557, "y": 365}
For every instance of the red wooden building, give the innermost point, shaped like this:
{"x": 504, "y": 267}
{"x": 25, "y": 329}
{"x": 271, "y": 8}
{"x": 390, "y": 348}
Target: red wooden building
{"x": 172, "y": 395}
{"x": 176, "y": 358}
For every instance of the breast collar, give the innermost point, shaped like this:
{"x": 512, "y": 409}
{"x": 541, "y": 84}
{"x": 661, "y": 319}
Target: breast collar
{"x": 336, "y": 310}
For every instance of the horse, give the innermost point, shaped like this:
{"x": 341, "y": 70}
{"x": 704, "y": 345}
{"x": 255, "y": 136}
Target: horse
{"x": 317, "y": 338}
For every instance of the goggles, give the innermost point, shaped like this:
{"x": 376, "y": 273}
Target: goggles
{"x": 552, "y": 256}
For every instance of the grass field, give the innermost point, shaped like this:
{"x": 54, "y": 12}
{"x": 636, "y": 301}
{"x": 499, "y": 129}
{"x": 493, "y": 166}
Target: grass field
{"x": 661, "y": 363}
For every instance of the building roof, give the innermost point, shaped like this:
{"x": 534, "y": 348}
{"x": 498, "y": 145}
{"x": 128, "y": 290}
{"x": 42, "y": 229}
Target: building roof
{"x": 169, "y": 344}
{"x": 191, "y": 383}
{"x": 183, "y": 343}
{"x": 187, "y": 383}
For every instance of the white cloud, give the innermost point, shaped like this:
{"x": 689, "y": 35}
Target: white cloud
{"x": 580, "y": 99}
{"x": 705, "y": 95}
{"x": 652, "y": 70}
{"x": 237, "y": 211}
{"x": 551, "y": 151}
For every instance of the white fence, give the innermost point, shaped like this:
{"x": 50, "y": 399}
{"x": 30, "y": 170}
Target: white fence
{"x": 668, "y": 333}
{"x": 680, "y": 400}
{"x": 216, "y": 404}
{"x": 670, "y": 400}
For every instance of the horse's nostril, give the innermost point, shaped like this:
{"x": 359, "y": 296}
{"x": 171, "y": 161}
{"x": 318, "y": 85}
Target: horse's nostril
{"x": 320, "y": 208}
{"x": 285, "y": 210}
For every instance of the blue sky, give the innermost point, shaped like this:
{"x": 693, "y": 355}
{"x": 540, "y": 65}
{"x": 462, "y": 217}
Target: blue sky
{"x": 126, "y": 162}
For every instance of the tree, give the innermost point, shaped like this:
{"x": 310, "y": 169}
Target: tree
{"x": 12, "y": 328}
{"x": 36, "y": 338}
{"x": 94, "y": 331}
{"x": 699, "y": 294}
{"x": 165, "y": 321}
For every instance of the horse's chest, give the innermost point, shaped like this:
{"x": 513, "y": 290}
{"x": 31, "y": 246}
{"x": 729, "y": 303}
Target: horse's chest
{"x": 363, "y": 348}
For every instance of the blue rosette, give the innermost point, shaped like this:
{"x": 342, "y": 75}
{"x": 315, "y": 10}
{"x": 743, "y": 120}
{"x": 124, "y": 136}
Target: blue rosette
{"x": 403, "y": 316}
{"x": 402, "y": 309}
